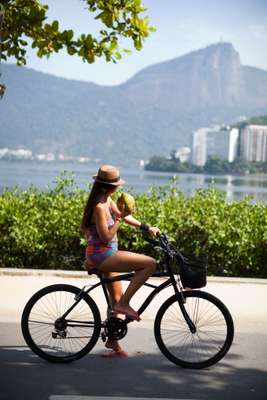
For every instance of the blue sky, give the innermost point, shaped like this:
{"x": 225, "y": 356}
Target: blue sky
{"x": 182, "y": 26}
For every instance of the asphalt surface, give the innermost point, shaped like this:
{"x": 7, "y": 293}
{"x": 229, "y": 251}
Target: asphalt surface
{"x": 146, "y": 373}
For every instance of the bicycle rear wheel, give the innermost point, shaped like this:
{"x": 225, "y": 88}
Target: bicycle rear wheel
{"x": 214, "y": 330}
{"x": 54, "y": 337}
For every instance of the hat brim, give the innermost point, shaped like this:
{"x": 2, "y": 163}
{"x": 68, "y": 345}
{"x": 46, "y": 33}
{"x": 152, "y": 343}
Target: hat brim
{"x": 119, "y": 183}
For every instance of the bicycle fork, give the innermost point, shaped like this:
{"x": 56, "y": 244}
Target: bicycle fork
{"x": 182, "y": 302}
{"x": 190, "y": 323}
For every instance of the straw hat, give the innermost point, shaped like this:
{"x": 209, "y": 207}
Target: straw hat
{"x": 108, "y": 174}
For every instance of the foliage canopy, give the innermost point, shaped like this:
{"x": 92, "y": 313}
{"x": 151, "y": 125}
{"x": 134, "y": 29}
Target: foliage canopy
{"x": 24, "y": 21}
{"x": 214, "y": 165}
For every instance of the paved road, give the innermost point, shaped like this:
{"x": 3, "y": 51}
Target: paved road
{"x": 146, "y": 373}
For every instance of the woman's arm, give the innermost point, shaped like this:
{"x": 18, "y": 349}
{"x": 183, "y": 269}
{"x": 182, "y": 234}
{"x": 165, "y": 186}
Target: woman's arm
{"x": 105, "y": 232}
{"x": 130, "y": 220}
{"x": 115, "y": 211}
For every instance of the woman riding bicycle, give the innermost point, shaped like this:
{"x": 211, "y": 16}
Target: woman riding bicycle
{"x": 100, "y": 224}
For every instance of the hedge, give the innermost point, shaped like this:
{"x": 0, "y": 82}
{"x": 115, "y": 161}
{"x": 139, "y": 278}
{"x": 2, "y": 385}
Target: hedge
{"x": 41, "y": 229}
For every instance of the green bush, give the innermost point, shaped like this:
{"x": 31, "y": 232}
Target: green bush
{"x": 42, "y": 229}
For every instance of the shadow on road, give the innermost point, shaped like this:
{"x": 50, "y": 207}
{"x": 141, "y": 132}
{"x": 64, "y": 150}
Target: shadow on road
{"x": 26, "y": 376}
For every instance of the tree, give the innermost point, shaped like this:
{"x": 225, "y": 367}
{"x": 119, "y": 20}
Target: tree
{"x": 216, "y": 165}
{"x": 24, "y": 22}
{"x": 173, "y": 154}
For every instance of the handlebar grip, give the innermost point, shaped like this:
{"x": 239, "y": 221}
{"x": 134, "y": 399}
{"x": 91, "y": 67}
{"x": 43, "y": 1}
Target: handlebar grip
{"x": 149, "y": 239}
{"x": 161, "y": 241}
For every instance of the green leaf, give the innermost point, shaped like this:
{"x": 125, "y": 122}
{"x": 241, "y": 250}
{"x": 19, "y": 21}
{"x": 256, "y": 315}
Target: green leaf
{"x": 71, "y": 50}
{"x": 55, "y": 25}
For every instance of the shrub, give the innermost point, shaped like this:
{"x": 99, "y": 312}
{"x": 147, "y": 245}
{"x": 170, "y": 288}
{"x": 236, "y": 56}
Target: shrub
{"x": 42, "y": 229}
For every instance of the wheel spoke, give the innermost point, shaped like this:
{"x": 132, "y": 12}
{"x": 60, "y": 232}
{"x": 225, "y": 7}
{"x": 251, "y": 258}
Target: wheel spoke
{"x": 213, "y": 336}
{"x": 55, "y": 338}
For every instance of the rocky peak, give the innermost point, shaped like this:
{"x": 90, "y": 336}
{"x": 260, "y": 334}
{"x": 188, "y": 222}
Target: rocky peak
{"x": 206, "y": 77}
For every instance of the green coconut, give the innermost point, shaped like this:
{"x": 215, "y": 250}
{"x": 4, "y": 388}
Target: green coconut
{"x": 126, "y": 203}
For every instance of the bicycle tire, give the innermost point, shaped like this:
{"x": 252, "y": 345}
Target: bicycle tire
{"x": 38, "y": 323}
{"x": 207, "y": 346}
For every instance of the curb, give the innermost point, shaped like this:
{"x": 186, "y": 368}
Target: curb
{"x": 43, "y": 272}
{"x": 84, "y": 275}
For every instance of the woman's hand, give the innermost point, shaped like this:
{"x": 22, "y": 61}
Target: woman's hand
{"x": 118, "y": 219}
{"x": 154, "y": 231}
{"x": 123, "y": 212}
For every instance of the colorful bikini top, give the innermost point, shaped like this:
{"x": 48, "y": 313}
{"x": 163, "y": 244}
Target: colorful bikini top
{"x": 93, "y": 237}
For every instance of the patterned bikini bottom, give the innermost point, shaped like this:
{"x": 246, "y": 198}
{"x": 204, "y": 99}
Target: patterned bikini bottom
{"x": 97, "y": 256}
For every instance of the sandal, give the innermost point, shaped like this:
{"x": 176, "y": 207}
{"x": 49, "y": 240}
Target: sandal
{"x": 115, "y": 354}
{"x": 130, "y": 314}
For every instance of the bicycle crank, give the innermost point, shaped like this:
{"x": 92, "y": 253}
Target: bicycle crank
{"x": 115, "y": 328}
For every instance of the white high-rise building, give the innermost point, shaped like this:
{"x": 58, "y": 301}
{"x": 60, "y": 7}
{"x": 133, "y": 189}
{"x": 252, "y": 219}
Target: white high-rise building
{"x": 253, "y": 141}
{"x": 214, "y": 141}
{"x": 199, "y": 151}
{"x": 233, "y": 144}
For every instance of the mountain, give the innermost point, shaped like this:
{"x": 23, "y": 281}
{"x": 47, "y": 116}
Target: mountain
{"x": 152, "y": 113}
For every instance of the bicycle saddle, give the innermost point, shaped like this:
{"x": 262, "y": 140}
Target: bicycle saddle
{"x": 93, "y": 271}
{"x": 90, "y": 267}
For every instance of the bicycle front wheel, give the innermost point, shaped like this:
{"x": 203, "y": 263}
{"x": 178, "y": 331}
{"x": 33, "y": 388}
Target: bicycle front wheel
{"x": 57, "y": 337}
{"x": 214, "y": 330}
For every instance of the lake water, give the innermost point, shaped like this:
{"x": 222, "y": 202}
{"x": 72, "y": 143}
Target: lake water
{"x": 43, "y": 174}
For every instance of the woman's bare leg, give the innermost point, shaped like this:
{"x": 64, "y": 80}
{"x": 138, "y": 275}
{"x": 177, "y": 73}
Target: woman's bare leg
{"x": 114, "y": 288}
{"x": 115, "y": 293}
{"x": 124, "y": 261}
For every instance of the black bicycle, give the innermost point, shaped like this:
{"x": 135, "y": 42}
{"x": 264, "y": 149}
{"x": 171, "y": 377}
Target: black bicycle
{"x": 192, "y": 328}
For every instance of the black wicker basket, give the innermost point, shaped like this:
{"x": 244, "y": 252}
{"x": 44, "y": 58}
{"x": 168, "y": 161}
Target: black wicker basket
{"x": 193, "y": 271}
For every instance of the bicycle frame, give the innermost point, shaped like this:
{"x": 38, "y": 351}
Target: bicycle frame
{"x": 157, "y": 289}
{"x": 125, "y": 277}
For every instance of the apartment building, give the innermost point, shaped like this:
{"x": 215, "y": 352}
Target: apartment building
{"x": 253, "y": 143}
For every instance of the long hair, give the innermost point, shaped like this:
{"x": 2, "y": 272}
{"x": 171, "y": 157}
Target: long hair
{"x": 97, "y": 192}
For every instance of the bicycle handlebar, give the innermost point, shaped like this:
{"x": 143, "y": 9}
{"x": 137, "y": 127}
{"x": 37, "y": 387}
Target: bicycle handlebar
{"x": 163, "y": 244}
